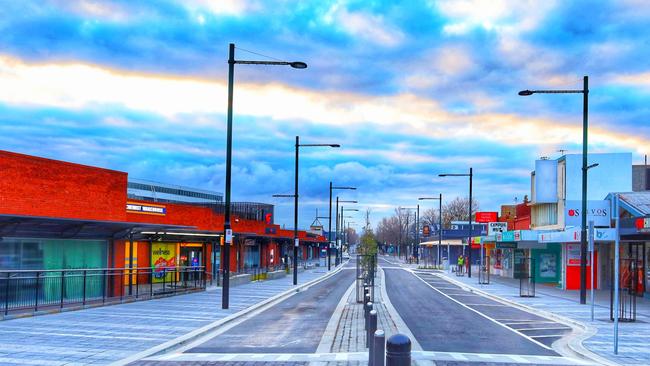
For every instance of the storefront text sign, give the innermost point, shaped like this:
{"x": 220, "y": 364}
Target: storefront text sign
{"x": 573, "y": 255}
{"x": 485, "y": 217}
{"x": 597, "y": 211}
{"x": 573, "y": 235}
{"x": 147, "y": 209}
{"x": 497, "y": 227}
{"x": 643, "y": 225}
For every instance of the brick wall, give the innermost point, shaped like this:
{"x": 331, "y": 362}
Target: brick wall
{"x": 35, "y": 186}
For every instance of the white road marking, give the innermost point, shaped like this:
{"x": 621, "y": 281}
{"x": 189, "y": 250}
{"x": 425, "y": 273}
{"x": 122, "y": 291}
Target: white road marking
{"x": 485, "y": 316}
{"x": 545, "y": 328}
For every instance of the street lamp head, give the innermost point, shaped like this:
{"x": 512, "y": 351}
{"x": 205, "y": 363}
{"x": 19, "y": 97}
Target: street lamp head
{"x": 442, "y": 175}
{"x": 525, "y": 93}
{"x": 335, "y": 145}
{"x": 352, "y": 188}
{"x": 298, "y": 65}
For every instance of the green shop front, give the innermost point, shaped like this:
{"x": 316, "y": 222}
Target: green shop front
{"x": 516, "y": 247}
{"x": 50, "y": 261}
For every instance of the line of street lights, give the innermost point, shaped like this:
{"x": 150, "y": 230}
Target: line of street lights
{"x": 228, "y": 234}
{"x": 329, "y": 228}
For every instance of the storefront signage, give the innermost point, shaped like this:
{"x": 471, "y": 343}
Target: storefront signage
{"x": 573, "y": 255}
{"x": 426, "y": 230}
{"x": 496, "y": 227}
{"x": 643, "y": 225}
{"x": 509, "y": 236}
{"x": 506, "y": 245}
{"x": 573, "y": 235}
{"x": 485, "y": 217}
{"x": 597, "y": 211}
{"x": 147, "y": 209}
{"x": 163, "y": 257}
{"x": 270, "y": 230}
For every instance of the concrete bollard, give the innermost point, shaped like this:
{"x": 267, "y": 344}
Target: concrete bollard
{"x": 372, "y": 327}
{"x": 398, "y": 350}
{"x": 378, "y": 351}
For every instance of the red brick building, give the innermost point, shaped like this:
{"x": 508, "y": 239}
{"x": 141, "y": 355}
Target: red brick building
{"x": 58, "y": 215}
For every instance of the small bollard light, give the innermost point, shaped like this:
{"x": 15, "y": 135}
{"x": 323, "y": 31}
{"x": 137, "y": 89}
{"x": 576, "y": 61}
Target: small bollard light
{"x": 378, "y": 351}
{"x": 398, "y": 350}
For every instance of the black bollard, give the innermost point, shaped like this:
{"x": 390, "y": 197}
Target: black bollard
{"x": 366, "y": 314}
{"x": 379, "y": 351}
{"x": 398, "y": 350}
{"x": 372, "y": 327}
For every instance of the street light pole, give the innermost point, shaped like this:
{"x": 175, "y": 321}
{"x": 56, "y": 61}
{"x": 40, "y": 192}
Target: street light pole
{"x": 469, "y": 237}
{"x": 439, "y": 199}
{"x": 329, "y": 234}
{"x": 296, "y": 241}
{"x": 329, "y": 229}
{"x": 339, "y": 254}
{"x": 416, "y": 247}
{"x": 585, "y": 128}
{"x": 225, "y": 293}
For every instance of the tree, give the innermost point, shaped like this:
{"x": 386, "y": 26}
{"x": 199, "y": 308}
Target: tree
{"x": 457, "y": 210}
{"x": 429, "y": 217}
{"x": 352, "y": 236}
{"x": 368, "y": 242}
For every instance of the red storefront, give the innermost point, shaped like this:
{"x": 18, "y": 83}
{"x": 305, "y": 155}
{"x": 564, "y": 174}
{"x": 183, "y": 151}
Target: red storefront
{"x": 56, "y": 215}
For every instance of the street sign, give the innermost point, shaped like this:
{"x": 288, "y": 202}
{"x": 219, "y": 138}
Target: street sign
{"x": 426, "y": 230}
{"x": 485, "y": 217}
{"x": 228, "y": 236}
{"x": 497, "y": 227}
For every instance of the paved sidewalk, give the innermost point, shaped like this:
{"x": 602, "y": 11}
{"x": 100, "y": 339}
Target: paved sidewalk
{"x": 351, "y": 335}
{"x": 99, "y": 336}
{"x": 633, "y": 337}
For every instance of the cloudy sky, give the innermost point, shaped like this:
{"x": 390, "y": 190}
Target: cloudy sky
{"x": 409, "y": 89}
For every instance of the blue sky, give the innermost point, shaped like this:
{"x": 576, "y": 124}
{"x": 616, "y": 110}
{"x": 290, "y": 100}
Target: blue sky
{"x": 409, "y": 89}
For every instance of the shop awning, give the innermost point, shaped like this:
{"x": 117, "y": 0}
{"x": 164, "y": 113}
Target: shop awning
{"x": 62, "y": 228}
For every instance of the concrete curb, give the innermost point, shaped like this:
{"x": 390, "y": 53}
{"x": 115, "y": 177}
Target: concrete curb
{"x": 188, "y": 337}
{"x": 327, "y": 340}
{"x": 392, "y": 312}
{"x": 570, "y": 347}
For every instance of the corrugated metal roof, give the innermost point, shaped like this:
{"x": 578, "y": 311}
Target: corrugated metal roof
{"x": 639, "y": 200}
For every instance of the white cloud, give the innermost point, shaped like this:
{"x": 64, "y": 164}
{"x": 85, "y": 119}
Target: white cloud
{"x": 223, "y": 7}
{"x": 501, "y": 15}
{"x": 369, "y": 27}
{"x": 77, "y": 86}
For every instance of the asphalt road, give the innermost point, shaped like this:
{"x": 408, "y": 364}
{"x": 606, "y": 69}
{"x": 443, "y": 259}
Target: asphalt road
{"x": 441, "y": 324}
{"x": 295, "y": 325}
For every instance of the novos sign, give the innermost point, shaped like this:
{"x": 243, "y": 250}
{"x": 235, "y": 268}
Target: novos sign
{"x": 598, "y": 211}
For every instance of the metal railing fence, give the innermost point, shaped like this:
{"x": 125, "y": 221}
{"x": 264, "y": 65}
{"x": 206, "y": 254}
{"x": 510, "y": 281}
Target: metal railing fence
{"x": 34, "y": 290}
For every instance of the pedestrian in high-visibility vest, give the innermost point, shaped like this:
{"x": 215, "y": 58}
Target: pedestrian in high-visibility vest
{"x": 461, "y": 261}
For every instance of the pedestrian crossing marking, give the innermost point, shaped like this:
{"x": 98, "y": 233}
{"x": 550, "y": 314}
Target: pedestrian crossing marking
{"x": 363, "y": 357}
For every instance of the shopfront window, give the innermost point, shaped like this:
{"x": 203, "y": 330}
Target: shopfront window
{"x": 251, "y": 254}
{"x": 36, "y": 254}
{"x": 29, "y": 257}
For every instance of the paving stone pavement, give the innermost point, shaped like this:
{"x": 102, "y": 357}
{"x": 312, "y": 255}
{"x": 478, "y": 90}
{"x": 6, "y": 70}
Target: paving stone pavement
{"x": 350, "y": 334}
{"x": 102, "y": 335}
{"x": 633, "y": 337}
